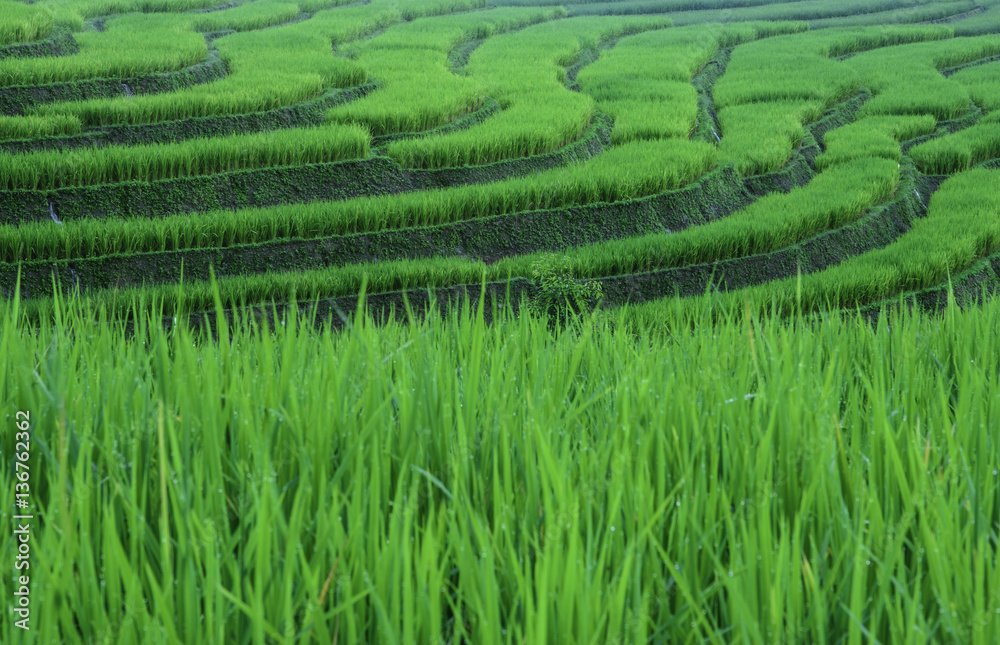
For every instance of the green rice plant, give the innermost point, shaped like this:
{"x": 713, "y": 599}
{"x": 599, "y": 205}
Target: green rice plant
{"x": 49, "y": 169}
{"x": 959, "y": 151}
{"x": 644, "y": 82}
{"x": 962, "y": 225}
{"x": 872, "y": 137}
{"x": 799, "y": 66}
{"x": 625, "y": 172}
{"x": 252, "y": 15}
{"x": 662, "y": 5}
{"x": 835, "y": 198}
{"x": 980, "y": 25}
{"x": 267, "y": 69}
{"x": 419, "y": 90}
{"x": 983, "y": 84}
{"x": 760, "y": 137}
{"x": 20, "y": 23}
{"x": 132, "y": 45}
{"x": 905, "y": 79}
{"x": 671, "y": 464}
{"x": 30, "y": 127}
{"x": 73, "y": 13}
{"x": 782, "y": 10}
{"x": 902, "y": 15}
{"x": 524, "y": 71}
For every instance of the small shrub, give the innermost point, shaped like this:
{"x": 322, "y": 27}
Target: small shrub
{"x": 557, "y": 293}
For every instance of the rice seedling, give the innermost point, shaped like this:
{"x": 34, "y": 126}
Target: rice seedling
{"x": 644, "y": 81}
{"x": 903, "y": 15}
{"x": 983, "y": 84}
{"x": 267, "y": 69}
{"x": 703, "y": 12}
{"x": 835, "y": 198}
{"x": 799, "y": 66}
{"x": 73, "y": 13}
{"x": 646, "y": 474}
{"x": 48, "y": 170}
{"x": 253, "y": 15}
{"x": 986, "y": 23}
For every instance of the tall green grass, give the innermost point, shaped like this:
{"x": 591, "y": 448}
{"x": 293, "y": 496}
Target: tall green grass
{"x": 73, "y": 13}
{"x": 80, "y": 167}
{"x": 983, "y": 84}
{"x": 252, "y": 15}
{"x": 761, "y": 137}
{"x": 800, "y": 66}
{"x": 644, "y": 81}
{"x": 705, "y": 12}
{"x": 716, "y": 476}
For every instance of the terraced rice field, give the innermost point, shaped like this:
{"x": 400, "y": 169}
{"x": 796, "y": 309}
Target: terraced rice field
{"x": 286, "y": 355}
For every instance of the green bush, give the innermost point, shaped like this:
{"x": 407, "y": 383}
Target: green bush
{"x": 557, "y": 293}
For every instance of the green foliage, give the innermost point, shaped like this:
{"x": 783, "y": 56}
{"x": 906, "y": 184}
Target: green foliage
{"x": 905, "y": 79}
{"x": 962, "y": 226}
{"x": 557, "y": 293}
{"x": 267, "y": 69}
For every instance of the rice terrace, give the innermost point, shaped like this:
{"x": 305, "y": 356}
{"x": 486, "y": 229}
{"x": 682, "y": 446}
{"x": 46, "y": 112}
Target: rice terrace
{"x": 500, "y": 321}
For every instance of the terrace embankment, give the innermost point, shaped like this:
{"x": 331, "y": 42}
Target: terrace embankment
{"x": 707, "y": 124}
{"x": 489, "y": 108}
{"x": 18, "y": 99}
{"x": 59, "y": 44}
{"x": 875, "y": 230}
{"x": 279, "y": 185}
{"x": 715, "y": 196}
{"x": 304, "y": 114}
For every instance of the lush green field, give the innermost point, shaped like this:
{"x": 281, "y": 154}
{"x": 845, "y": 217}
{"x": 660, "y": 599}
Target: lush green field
{"x": 500, "y": 321}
